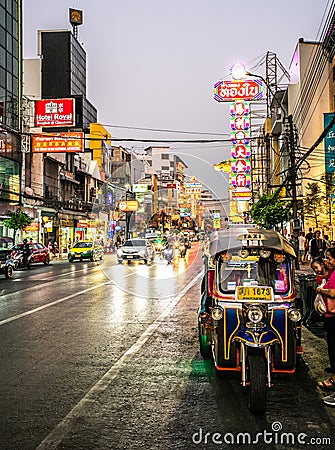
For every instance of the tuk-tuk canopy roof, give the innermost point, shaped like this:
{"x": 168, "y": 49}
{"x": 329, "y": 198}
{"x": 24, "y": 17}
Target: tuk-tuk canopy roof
{"x": 248, "y": 237}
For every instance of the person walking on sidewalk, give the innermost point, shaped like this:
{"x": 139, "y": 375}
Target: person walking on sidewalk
{"x": 317, "y": 245}
{"x": 328, "y": 291}
{"x": 302, "y": 247}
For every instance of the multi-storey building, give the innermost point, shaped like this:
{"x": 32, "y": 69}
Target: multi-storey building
{"x": 10, "y": 107}
{"x": 67, "y": 183}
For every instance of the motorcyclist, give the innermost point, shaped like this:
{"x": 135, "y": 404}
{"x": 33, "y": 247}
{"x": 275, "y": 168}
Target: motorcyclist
{"x": 26, "y": 250}
{"x": 168, "y": 252}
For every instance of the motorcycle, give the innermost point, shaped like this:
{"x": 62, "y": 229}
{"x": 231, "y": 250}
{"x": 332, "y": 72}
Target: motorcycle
{"x": 167, "y": 253}
{"x": 248, "y": 318}
{"x": 22, "y": 260}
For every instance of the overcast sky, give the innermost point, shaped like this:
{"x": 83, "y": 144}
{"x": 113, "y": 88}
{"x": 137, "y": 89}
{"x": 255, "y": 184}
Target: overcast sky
{"x": 152, "y": 64}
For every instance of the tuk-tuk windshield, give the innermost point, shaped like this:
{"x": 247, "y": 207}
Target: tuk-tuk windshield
{"x": 255, "y": 271}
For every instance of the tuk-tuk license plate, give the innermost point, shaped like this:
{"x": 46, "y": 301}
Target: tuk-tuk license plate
{"x": 254, "y": 293}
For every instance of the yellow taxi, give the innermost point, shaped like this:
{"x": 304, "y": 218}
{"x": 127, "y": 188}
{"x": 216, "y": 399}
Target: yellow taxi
{"x": 86, "y": 249}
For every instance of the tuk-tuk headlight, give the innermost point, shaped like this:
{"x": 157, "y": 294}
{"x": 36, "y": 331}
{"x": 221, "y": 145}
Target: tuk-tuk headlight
{"x": 217, "y": 313}
{"x": 294, "y": 314}
{"x": 243, "y": 253}
{"x": 255, "y": 315}
{"x": 264, "y": 253}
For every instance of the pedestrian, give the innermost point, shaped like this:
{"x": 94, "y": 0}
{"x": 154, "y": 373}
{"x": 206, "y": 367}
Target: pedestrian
{"x": 55, "y": 248}
{"x": 321, "y": 270}
{"x": 302, "y": 247}
{"x": 328, "y": 292}
{"x": 317, "y": 245}
{"x": 118, "y": 241}
{"x": 309, "y": 236}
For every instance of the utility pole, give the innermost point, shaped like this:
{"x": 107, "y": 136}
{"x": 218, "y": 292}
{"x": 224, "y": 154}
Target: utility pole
{"x": 293, "y": 185}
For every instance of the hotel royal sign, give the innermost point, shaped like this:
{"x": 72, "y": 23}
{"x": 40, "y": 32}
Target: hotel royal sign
{"x": 239, "y": 92}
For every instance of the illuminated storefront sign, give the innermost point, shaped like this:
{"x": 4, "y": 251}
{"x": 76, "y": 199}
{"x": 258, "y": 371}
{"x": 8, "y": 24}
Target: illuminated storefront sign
{"x": 240, "y": 165}
{"x": 239, "y": 92}
{"x": 128, "y": 205}
{"x": 58, "y": 143}
{"x": 227, "y": 91}
{"x": 54, "y": 113}
{"x": 240, "y": 179}
{"x": 140, "y": 188}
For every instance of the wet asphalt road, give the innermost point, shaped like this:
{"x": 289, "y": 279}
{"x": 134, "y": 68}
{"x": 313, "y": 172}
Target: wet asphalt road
{"x": 105, "y": 356}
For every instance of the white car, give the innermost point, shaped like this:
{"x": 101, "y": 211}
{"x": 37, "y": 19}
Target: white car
{"x": 136, "y": 250}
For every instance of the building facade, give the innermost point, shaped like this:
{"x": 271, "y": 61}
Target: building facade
{"x": 10, "y": 107}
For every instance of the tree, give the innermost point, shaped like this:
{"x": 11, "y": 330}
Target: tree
{"x": 314, "y": 203}
{"x": 17, "y": 220}
{"x": 270, "y": 211}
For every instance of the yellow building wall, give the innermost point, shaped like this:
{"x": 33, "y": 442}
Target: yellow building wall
{"x": 98, "y": 133}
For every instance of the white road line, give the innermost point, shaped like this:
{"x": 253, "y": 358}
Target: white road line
{"x": 40, "y": 308}
{"x": 62, "y": 429}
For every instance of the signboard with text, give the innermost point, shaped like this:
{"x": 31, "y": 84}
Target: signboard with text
{"x": 227, "y": 91}
{"x": 54, "y": 113}
{"x": 58, "y": 143}
{"x": 329, "y": 144}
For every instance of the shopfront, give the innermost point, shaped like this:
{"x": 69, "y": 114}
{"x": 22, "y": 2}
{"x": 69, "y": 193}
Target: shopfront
{"x": 65, "y": 232}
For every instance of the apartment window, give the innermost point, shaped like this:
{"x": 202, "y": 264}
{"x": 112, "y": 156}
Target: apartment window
{"x": 166, "y": 168}
{"x": 164, "y": 156}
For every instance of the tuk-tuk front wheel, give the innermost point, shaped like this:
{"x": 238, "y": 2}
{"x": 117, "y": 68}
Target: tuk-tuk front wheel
{"x": 257, "y": 379}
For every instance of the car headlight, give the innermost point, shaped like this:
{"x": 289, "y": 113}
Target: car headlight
{"x": 294, "y": 314}
{"x": 255, "y": 315}
{"x": 217, "y": 313}
{"x": 141, "y": 252}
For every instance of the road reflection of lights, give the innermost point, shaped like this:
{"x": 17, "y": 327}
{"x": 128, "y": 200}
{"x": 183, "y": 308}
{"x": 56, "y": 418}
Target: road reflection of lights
{"x": 117, "y": 305}
{"x": 181, "y": 266}
{"x": 140, "y": 304}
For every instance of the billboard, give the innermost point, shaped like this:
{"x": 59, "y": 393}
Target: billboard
{"x": 58, "y": 143}
{"x": 55, "y": 113}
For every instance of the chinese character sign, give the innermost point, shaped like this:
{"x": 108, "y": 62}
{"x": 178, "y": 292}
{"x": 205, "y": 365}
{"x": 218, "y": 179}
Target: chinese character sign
{"x": 329, "y": 144}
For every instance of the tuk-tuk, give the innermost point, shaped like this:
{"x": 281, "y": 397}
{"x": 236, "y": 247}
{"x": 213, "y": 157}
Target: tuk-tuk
{"x": 248, "y": 318}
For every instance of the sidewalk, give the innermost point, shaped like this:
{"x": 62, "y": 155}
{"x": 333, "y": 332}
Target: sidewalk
{"x": 315, "y": 355}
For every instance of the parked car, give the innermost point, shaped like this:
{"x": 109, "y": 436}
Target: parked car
{"x": 86, "y": 249}
{"x": 7, "y": 265}
{"x": 136, "y": 250}
{"x": 39, "y": 254}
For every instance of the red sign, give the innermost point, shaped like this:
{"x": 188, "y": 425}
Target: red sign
{"x": 227, "y": 91}
{"x": 58, "y": 143}
{"x": 239, "y": 108}
{"x": 241, "y": 180}
{"x": 171, "y": 186}
{"x": 240, "y": 165}
{"x": 54, "y": 113}
{"x": 240, "y": 151}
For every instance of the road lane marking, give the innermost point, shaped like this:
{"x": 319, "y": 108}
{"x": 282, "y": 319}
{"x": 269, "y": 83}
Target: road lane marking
{"x": 58, "y": 434}
{"x": 40, "y": 308}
